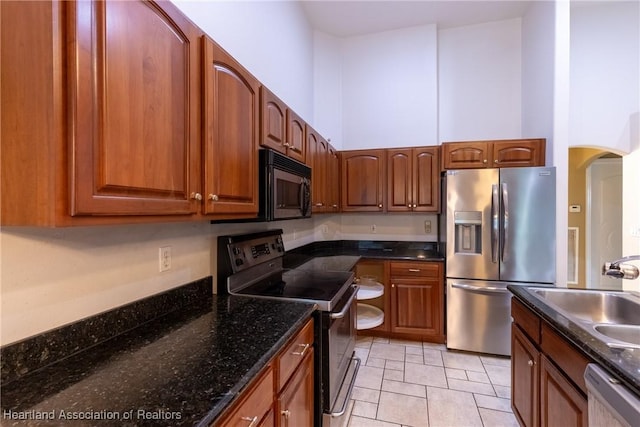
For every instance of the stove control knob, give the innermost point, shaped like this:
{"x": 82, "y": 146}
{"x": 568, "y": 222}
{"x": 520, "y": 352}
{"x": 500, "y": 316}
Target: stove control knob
{"x": 236, "y": 251}
{"x": 239, "y": 262}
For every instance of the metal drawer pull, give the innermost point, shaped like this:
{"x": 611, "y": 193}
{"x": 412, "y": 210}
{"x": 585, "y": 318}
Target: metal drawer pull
{"x": 530, "y": 363}
{"x": 301, "y": 353}
{"x": 254, "y": 421}
{"x": 414, "y": 270}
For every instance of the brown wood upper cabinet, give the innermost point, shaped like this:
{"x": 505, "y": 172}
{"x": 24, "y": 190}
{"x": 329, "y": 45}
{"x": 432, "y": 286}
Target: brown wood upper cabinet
{"x": 493, "y": 154}
{"x": 413, "y": 179}
{"x": 231, "y": 117}
{"x": 333, "y": 180}
{"x": 363, "y": 180}
{"x": 281, "y": 128}
{"x": 317, "y": 152}
{"x": 104, "y": 102}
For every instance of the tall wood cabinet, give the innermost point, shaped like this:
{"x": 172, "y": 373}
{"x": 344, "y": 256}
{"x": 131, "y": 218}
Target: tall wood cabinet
{"x": 231, "y": 117}
{"x": 363, "y": 180}
{"x": 547, "y": 384}
{"x": 324, "y": 161}
{"x": 413, "y": 180}
{"x": 281, "y": 128}
{"x": 101, "y": 112}
{"x": 493, "y": 154}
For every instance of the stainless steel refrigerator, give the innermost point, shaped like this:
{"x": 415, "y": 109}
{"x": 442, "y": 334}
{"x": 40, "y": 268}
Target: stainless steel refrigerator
{"x": 501, "y": 230}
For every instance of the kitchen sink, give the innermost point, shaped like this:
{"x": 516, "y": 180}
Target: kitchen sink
{"x": 629, "y": 334}
{"x": 611, "y": 317}
{"x": 593, "y": 306}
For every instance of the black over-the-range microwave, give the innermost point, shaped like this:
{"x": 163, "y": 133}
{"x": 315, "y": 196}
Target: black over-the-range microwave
{"x": 285, "y": 187}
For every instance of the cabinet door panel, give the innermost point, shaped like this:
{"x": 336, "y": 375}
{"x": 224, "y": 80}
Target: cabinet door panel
{"x": 561, "y": 403}
{"x": 426, "y": 179}
{"x": 273, "y": 121}
{"x": 416, "y": 306}
{"x": 399, "y": 180}
{"x": 526, "y": 152}
{"x": 465, "y": 155}
{"x": 296, "y": 402}
{"x": 316, "y": 158}
{"x": 525, "y": 368}
{"x": 363, "y": 180}
{"x": 231, "y": 140}
{"x": 295, "y": 136}
{"x": 134, "y": 109}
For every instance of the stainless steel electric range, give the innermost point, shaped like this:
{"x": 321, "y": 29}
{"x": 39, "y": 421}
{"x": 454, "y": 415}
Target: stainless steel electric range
{"x": 251, "y": 265}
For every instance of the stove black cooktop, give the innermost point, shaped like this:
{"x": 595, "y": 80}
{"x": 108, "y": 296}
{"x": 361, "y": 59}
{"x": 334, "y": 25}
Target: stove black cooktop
{"x": 324, "y": 288}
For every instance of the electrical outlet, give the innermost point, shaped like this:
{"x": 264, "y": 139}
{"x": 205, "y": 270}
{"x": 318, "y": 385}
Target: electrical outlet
{"x": 427, "y": 227}
{"x": 635, "y": 232}
{"x": 373, "y": 228}
{"x": 324, "y": 228}
{"x": 165, "y": 258}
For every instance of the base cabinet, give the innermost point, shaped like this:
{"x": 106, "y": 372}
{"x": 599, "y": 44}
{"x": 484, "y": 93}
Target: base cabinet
{"x": 295, "y": 403}
{"x": 413, "y": 299}
{"x": 283, "y": 394}
{"x": 547, "y": 388}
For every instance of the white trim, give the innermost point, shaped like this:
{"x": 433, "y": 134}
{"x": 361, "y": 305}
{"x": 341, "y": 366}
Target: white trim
{"x": 573, "y": 244}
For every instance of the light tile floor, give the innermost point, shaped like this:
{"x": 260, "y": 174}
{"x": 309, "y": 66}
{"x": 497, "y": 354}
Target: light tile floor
{"x": 416, "y": 384}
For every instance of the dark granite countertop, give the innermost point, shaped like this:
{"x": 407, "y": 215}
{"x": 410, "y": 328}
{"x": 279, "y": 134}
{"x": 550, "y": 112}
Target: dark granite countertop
{"x": 623, "y": 364}
{"x": 183, "y": 368}
{"x": 408, "y": 251}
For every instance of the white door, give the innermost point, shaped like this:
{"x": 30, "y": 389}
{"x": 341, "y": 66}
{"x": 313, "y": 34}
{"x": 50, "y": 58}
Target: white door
{"x": 604, "y": 220}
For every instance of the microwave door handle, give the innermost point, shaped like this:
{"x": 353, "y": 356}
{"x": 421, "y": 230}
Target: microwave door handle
{"x": 303, "y": 197}
{"x": 494, "y": 223}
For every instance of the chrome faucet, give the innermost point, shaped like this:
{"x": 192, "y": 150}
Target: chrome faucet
{"x": 620, "y": 270}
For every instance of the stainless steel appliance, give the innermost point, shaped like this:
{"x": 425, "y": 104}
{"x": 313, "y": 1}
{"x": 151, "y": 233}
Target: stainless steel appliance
{"x": 500, "y": 230}
{"x": 285, "y": 187}
{"x": 251, "y": 265}
{"x": 611, "y": 403}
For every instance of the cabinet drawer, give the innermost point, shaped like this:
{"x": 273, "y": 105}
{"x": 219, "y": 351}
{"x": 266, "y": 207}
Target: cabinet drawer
{"x": 294, "y": 352}
{"x": 565, "y": 356}
{"x": 415, "y": 269}
{"x": 526, "y": 320}
{"x": 256, "y": 404}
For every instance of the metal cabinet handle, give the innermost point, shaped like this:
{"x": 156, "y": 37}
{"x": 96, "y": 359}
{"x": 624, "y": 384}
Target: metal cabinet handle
{"x": 380, "y": 205}
{"x": 213, "y": 197}
{"x": 286, "y": 144}
{"x": 484, "y": 161}
{"x": 414, "y": 270}
{"x": 319, "y": 204}
{"x": 530, "y": 363}
{"x": 301, "y": 353}
{"x": 393, "y": 285}
{"x": 253, "y": 421}
{"x": 334, "y": 206}
{"x": 286, "y": 413}
{"x": 496, "y": 161}
{"x": 196, "y": 196}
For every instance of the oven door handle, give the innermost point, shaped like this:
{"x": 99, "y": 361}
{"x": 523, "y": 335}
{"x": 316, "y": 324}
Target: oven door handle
{"x": 345, "y": 309}
{"x": 343, "y": 409}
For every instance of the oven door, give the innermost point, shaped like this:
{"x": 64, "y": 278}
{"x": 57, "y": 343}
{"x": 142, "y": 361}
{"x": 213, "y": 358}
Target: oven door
{"x": 291, "y": 195}
{"x": 339, "y": 364}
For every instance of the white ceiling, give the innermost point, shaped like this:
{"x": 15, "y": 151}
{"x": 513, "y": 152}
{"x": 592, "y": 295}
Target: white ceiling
{"x": 357, "y": 17}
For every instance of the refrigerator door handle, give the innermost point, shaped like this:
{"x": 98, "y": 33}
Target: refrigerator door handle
{"x": 481, "y": 289}
{"x": 494, "y": 223}
{"x": 505, "y": 221}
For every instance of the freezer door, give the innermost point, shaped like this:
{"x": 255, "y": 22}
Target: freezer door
{"x": 528, "y": 225}
{"x": 478, "y": 316}
{"x": 472, "y": 224}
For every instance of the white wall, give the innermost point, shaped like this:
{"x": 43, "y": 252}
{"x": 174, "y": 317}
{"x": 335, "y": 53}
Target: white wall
{"x": 327, "y": 89}
{"x": 605, "y": 97}
{"x": 389, "y": 89}
{"x": 538, "y": 48}
{"x": 271, "y": 39}
{"x": 605, "y": 44}
{"x": 479, "y": 73}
